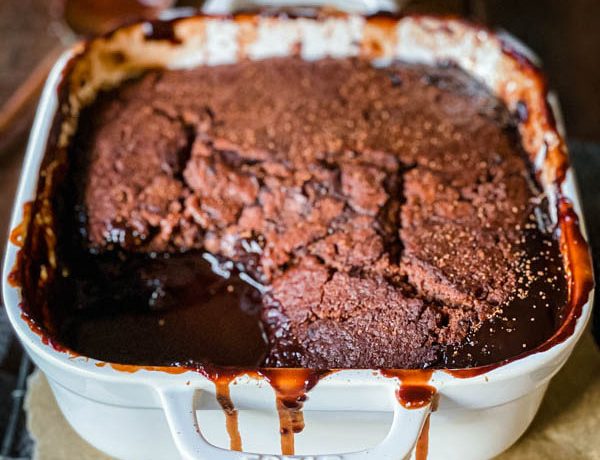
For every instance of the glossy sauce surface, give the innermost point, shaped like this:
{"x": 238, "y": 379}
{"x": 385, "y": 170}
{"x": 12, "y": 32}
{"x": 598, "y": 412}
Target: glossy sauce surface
{"x": 165, "y": 310}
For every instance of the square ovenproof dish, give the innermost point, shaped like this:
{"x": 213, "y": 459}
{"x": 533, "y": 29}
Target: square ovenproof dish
{"x": 331, "y": 237}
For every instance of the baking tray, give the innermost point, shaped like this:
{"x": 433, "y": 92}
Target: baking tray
{"x": 499, "y": 400}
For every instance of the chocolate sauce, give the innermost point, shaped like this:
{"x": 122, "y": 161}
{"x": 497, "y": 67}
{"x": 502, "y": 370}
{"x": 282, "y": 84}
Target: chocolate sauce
{"x": 222, "y": 381}
{"x": 162, "y": 311}
{"x": 578, "y": 266}
{"x": 414, "y": 390}
{"x": 291, "y": 387}
{"x": 531, "y": 317}
{"x": 422, "y": 447}
{"x": 161, "y": 30}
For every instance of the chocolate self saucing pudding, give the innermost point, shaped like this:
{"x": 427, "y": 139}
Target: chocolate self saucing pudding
{"x": 287, "y": 213}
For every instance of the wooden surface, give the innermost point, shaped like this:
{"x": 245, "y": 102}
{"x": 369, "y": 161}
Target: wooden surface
{"x": 566, "y": 36}
{"x": 26, "y": 36}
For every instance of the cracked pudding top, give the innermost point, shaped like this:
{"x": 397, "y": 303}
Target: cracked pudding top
{"x": 322, "y": 214}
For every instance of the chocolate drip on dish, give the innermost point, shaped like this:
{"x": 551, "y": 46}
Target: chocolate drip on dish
{"x": 291, "y": 387}
{"x": 415, "y": 392}
{"x": 231, "y": 414}
{"x": 222, "y": 379}
{"x": 422, "y": 447}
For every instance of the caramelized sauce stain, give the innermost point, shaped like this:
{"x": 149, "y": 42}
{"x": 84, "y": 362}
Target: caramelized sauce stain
{"x": 18, "y": 234}
{"x": 291, "y": 387}
{"x": 132, "y": 368}
{"x": 422, "y": 447}
{"x": 414, "y": 390}
{"x": 576, "y": 251}
{"x": 17, "y": 237}
{"x": 46, "y": 338}
{"x": 231, "y": 414}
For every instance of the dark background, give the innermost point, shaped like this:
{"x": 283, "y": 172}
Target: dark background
{"x": 565, "y": 35}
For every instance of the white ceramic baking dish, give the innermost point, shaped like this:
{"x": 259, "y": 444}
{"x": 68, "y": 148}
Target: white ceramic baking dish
{"x": 146, "y": 413}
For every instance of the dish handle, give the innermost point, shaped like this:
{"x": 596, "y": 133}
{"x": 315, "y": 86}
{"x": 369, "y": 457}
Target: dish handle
{"x": 178, "y": 405}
